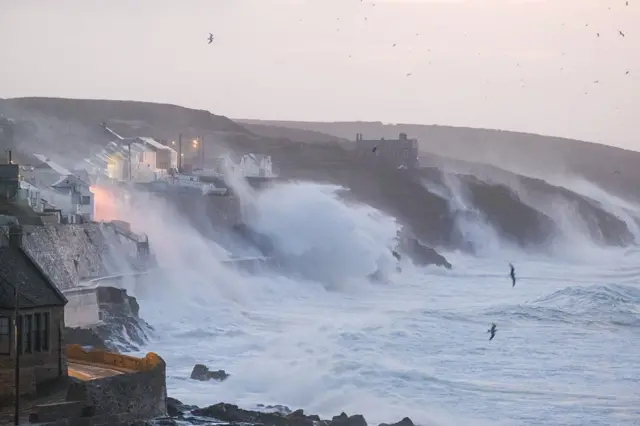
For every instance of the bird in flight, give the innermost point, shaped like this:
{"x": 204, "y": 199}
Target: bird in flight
{"x": 210, "y": 38}
{"x": 621, "y": 33}
{"x": 492, "y": 330}
{"x": 512, "y": 274}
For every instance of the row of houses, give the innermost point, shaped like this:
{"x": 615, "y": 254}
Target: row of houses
{"x": 145, "y": 159}
{"x": 55, "y": 193}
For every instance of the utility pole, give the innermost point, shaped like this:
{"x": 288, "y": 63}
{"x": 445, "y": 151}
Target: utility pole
{"x": 180, "y": 153}
{"x": 17, "y": 348}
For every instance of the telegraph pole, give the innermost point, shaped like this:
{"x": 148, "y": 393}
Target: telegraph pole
{"x": 16, "y": 346}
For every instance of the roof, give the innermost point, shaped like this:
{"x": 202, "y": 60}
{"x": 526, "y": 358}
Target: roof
{"x": 55, "y": 166}
{"x": 152, "y": 142}
{"x": 35, "y": 287}
{"x": 63, "y": 182}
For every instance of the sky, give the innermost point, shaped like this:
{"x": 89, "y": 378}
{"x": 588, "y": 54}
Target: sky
{"x": 533, "y": 66}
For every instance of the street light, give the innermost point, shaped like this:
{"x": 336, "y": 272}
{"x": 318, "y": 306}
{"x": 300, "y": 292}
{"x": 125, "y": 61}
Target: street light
{"x": 195, "y": 143}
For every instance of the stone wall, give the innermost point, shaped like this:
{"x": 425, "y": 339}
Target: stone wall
{"x": 137, "y": 395}
{"x": 72, "y": 253}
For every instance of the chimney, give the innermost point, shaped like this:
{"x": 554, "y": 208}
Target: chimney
{"x": 15, "y": 236}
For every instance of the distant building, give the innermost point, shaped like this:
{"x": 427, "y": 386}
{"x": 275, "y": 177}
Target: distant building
{"x": 401, "y": 153}
{"x": 40, "y": 320}
{"x": 49, "y": 187}
{"x": 256, "y": 165}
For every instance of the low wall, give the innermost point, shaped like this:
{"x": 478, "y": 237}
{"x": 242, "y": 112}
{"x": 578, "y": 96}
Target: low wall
{"x": 138, "y": 394}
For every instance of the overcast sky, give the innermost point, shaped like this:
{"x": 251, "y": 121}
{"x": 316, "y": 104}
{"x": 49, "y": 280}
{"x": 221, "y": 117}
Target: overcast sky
{"x": 516, "y": 65}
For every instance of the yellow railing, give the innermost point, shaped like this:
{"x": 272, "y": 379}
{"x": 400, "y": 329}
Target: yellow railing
{"x": 112, "y": 360}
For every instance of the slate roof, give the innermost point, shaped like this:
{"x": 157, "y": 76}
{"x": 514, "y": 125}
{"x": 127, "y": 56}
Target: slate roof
{"x": 35, "y": 287}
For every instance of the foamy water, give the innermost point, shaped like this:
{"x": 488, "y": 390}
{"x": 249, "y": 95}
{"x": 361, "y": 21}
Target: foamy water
{"x": 565, "y": 352}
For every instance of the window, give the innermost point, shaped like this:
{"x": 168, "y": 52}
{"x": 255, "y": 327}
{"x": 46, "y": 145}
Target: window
{"x": 86, "y": 200}
{"x": 37, "y": 337}
{"x": 5, "y": 335}
{"x": 45, "y": 331}
{"x": 27, "y": 334}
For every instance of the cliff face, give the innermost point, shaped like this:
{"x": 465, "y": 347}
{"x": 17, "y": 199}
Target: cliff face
{"x": 71, "y": 253}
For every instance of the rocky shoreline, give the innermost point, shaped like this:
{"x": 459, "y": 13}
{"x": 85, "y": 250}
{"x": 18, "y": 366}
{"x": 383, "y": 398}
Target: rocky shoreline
{"x": 224, "y": 413}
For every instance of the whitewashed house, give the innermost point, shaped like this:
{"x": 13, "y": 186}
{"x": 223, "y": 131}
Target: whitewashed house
{"x": 49, "y": 184}
{"x": 256, "y": 165}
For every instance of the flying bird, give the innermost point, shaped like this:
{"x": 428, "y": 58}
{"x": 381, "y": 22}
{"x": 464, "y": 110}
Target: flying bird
{"x": 492, "y": 330}
{"x": 408, "y": 74}
{"x": 210, "y": 38}
{"x": 512, "y": 274}
{"x": 621, "y": 33}
{"x": 375, "y": 148}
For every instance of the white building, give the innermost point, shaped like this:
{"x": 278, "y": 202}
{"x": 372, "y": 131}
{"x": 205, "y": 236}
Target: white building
{"x": 48, "y": 184}
{"x": 166, "y": 158}
{"x": 256, "y": 165}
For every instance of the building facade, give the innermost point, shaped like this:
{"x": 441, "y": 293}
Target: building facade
{"x": 401, "y": 153}
{"x": 40, "y": 320}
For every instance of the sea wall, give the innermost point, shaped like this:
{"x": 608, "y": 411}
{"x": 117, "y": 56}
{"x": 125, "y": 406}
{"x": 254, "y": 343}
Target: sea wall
{"x": 138, "y": 394}
{"x": 72, "y": 253}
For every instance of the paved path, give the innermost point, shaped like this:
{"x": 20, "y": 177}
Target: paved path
{"x": 91, "y": 372}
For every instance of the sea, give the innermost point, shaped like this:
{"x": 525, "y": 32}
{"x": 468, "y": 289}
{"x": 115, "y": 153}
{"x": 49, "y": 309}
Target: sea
{"x": 414, "y": 344}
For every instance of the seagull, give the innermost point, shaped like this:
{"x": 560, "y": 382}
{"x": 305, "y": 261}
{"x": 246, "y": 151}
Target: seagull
{"x": 621, "y": 33}
{"x": 512, "y": 274}
{"x": 408, "y": 74}
{"x": 492, "y": 330}
{"x": 626, "y": 73}
{"x": 375, "y": 148}
{"x": 598, "y": 34}
{"x": 210, "y": 38}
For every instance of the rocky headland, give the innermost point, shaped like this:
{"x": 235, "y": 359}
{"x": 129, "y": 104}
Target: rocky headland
{"x": 279, "y": 415}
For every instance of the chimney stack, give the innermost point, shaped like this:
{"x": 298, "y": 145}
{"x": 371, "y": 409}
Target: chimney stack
{"x": 15, "y": 236}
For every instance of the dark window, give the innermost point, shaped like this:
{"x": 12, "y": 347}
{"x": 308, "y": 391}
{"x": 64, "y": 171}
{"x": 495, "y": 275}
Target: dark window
{"x": 86, "y": 200}
{"x": 45, "y": 331}
{"x": 27, "y": 334}
{"x": 5, "y": 335}
{"x": 37, "y": 334}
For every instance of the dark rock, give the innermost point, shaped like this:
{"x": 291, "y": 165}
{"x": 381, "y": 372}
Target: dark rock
{"x": 232, "y": 414}
{"x": 201, "y": 372}
{"x": 404, "y": 422}
{"x": 121, "y": 325}
{"x": 175, "y": 408}
{"x": 86, "y": 337}
{"x": 344, "y": 420}
{"x": 419, "y": 253}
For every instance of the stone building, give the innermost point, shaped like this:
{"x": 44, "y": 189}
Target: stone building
{"x": 401, "y": 153}
{"x": 40, "y": 321}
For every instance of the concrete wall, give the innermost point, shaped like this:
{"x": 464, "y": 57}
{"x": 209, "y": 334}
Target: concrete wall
{"x": 36, "y": 367}
{"x": 70, "y": 253}
{"x": 82, "y": 308}
{"x": 140, "y": 394}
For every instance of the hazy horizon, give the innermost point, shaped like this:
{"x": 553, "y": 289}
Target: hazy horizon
{"x": 530, "y": 66}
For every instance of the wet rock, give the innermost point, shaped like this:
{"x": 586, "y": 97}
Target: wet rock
{"x": 419, "y": 253}
{"x": 232, "y": 414}
{"x": 404, "y": 422}
{"x": 282, "y": 409}
{"x": 86, "y": 337}
{"x": 201, "y": 372}
{"x": 344, "y": 420}
{"x": 176, "y": 408}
